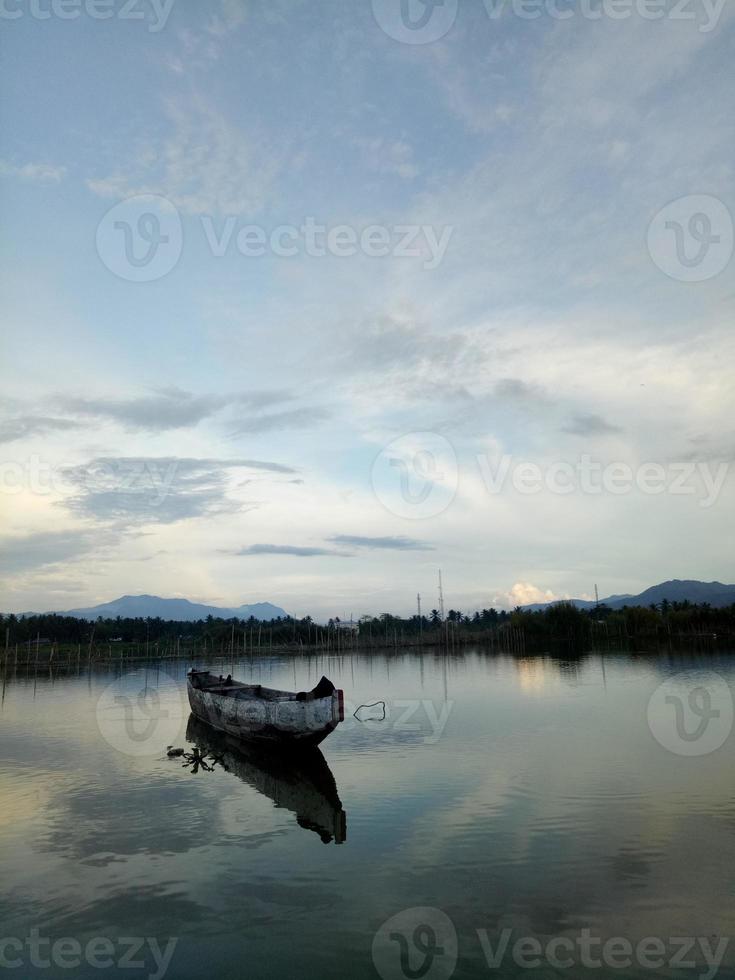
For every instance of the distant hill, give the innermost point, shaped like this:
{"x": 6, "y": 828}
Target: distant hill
{"x": 676, "y": 590}
{"x": 180, "y": 610}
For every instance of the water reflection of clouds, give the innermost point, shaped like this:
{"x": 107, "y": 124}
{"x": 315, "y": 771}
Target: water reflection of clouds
{"x": 548, "y": 813}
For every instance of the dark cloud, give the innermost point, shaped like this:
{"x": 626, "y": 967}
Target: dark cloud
{"x": 705, "y": 448}
{"x": 169, "y": 408}
{"x": 518, "y": 390}
{"x": 260, "y": 399}
{"x": 287, "y": 549}
{"x": 22, "y": 553}
{"x": 166, "y": 409}
{"x": 251, "y": 464}
{"x": 398, "y": 543}
{"x": 589, "y": 425}
{"x": 387, "y": 344}
{"x": 130, "y": 491}
{"x": 26, "y": 426}
{"x": 296, "y": 418}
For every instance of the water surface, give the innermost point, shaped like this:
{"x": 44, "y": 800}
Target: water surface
{"x": 536, "y": 795}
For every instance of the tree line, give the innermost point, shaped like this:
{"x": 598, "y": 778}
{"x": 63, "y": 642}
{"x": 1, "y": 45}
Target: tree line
{"x": 561, "y": 621}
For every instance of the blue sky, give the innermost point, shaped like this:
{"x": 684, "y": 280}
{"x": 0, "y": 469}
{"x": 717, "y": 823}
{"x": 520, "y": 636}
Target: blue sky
{"x": 317, "y": 428}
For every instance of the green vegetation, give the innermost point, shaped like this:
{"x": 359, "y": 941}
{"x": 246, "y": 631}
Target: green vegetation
{"x": 45, "y": 638}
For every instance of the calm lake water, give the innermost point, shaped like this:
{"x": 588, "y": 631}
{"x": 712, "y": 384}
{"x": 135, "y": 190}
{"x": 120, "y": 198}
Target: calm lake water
{"x": 563, "y": 803}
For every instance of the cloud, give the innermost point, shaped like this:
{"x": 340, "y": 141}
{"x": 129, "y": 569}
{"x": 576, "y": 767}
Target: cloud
{"x": 297, "y": 418}
{"x": 230, "y": 17}
{"x": 204, "y": 165}
{"x": 405, "y": 346}
{"x": 523, "y": 594}
{"x": 287, "y": 549}
{"x": 38, "y": 172}
{"x": 386, "y": 156}
{"x": 705, "y": 448}
{"x": 170, "y": 408}
{"x": 518, "y": 390}
{"x": 397, "y": 543}
{"x": 21, "y": 553}
{"x": 134, "y": 491}
{"x": 590, "y": 425}
{"x": 174, "y": 408}
{"x": 27, "y": 426}
{"x": 260, "y": 398}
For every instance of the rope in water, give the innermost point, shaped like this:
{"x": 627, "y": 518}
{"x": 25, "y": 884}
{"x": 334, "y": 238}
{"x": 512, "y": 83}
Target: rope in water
{"x": 373, "y": 705}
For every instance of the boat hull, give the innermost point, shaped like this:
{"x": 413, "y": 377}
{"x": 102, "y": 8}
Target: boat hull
{"x": 283, "y": 721}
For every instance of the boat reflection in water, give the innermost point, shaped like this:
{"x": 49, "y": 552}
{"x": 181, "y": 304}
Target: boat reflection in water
{"x": 301, "y": 782}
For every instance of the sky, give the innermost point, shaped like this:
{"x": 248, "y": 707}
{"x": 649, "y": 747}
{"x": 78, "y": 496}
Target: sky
{"x": 303, "y": 302}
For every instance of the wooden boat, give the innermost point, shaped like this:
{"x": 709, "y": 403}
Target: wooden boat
{"x": 263, "y": 714}
{"x": 301, "y": 783}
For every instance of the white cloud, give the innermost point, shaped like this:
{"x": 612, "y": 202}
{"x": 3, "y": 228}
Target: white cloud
{"x": 204, "y": 164}
{"x": 523, "y": 594}
{"x": 43, "y": 173}
{"x": 547, "y": 149}
{"x": 387, "y": 156}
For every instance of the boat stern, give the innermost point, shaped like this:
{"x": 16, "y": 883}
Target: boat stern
{"x": 338, "y": 706}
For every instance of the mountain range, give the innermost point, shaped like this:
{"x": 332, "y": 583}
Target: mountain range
{"x": 179, "y": 610}
{"x": 676, "y": 590}
{"x": 182, "y": 610}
